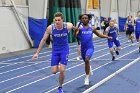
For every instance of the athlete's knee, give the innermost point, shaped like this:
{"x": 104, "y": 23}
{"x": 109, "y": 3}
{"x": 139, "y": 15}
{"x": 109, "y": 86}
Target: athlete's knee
{"x": 110, "y": 49}
{"x": 54, "y": 70}
{"x": 118, "y": 48}
{"x": 87, "y": 59}
{"x": 62, "y": 68}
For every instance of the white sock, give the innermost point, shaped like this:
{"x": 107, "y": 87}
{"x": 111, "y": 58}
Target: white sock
{"x": 87, "y": 76}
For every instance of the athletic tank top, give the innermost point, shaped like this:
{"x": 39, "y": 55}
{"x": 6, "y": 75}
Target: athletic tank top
{"x": 60, "y": 38}
{"x": 130, "y": 25}
{"x": 138, "y": 25}
{"x": 112, "y": 32}
{"x": 86, "y": 35}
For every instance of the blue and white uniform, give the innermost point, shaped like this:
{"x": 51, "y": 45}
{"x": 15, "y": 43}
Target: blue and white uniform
{"x": 130, "y": 28}
{"x": 87, "y": 47}
{"x": 130, "y": 25}
{"x": 59, "y": 45}
{"x": 112, "y": 32}
{"x": 137, "y": 30}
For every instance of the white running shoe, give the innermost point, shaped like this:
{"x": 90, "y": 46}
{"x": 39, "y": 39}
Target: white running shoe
{"x": 86, "y": 81}
{"x": 78, "y": 58}
{"x": 132, "y": 44}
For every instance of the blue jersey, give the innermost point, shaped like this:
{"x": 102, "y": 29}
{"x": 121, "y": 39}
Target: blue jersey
{"x": 86, "y": 35}
{"x": 112, "y": 32}
{"x": 137, "y": 25}
{"x": 130, "y": 25}
{"x": 60, "y": 38}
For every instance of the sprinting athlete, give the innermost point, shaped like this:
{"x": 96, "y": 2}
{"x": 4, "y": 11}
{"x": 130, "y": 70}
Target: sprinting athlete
{"x": 137, "y": 29}
{"x": 130, "y": 29}
{"x": 60, "y": 48}
{"x": 85, "y": 33}
{"x": 112, "y": 32}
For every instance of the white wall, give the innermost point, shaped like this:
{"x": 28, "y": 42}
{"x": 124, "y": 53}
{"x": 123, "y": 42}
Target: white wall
{"x": 37, "y": 7}
{"x": 11, "y": 36}
{"x": 105, "y": 8}
{"x": 17, "y": 2}
{"x": 96, "y": 13}
{"x": 135, "y": 7}
{"x": 114, "y": 10}
{"x": 83, "y": 5}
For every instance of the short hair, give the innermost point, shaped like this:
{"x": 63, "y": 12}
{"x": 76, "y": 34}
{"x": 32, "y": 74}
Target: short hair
{"x": 130, "y": 16}
{"x": 89, "y": 16}
{"x": 59, "y": 14}
{"x": 112, "y": 20}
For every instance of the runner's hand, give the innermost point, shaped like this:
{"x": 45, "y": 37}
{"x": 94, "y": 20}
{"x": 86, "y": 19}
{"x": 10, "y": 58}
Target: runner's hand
{"x": 109, "y": 37}
{"x": 35, "y": 56}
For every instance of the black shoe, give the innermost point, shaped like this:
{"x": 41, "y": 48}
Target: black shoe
{"x": 113, "y": 58}
{"x": 117, "y": 52}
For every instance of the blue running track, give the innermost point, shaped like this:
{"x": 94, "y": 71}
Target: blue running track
{"x": 19, "y": 74}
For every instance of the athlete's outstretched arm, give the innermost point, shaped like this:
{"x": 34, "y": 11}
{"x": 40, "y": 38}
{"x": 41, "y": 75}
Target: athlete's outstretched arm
{"x": 76, "y": 29}
{"x": 46, "y": 35}
{"x": 100, "y": 35}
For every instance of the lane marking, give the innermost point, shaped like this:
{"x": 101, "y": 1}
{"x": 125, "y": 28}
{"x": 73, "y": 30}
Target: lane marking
{"x": 111, "y": 76}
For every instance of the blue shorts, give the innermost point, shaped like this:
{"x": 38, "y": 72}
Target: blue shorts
{"x": 59, "y": 57}
{"x": 137, "y": 34}
{"x": 87, "y": 52}
{"x": 115, "y": 41}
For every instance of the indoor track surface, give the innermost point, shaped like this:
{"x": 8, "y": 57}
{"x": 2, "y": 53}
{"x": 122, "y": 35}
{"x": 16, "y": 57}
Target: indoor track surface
{"x": 20, "y": 74}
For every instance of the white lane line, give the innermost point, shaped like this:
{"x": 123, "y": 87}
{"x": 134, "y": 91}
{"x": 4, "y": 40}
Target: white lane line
{"x": 45, "y": 52}
{"x": 106, "y": 60}
{"x": 37, "y": 70}
{"x": 41, "y": 62}
{"x": 111, "y": 76}
{"x": 50, "y": 76}
{"x": 26, "y": 60}
{"x": 92, "y": 70}
{"x": 40, "y": 79}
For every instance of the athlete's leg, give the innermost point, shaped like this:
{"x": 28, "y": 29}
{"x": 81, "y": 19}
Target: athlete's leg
{"x": 111, "y": 50}
{"x": 55, "y": 62}
{"x": 137, "y": 35}
{"x": 62, "y": 66}
{"x": 118, "y": 46}
{"x": 131, "y": 36}
{"x": 88, "y": 69}
{"x": 59, "y": 66}
{"x": 112, "y": 53}
{"x": 78, "y": 49}
{"x": 62, "y": 74}
{"x": 78, "y": 52}
{"x": 87, "y": 65}
{"x": 139, "y": 43}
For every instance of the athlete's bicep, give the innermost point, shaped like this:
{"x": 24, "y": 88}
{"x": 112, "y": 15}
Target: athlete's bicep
{"x": 106, "y": 30}
{"x": 47, "y": 32}
{"x": 93, "y": 28}
{"x": 95, "y": 31}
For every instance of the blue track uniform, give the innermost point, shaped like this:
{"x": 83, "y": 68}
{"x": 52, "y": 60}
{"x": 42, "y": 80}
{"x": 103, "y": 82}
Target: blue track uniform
{"x": 137, "y": 30}
{"x": 60, "y": 45}
{"x": 112, "y": 32}
{"x": 87, "y": 47}
{"x": 130, "y": 28}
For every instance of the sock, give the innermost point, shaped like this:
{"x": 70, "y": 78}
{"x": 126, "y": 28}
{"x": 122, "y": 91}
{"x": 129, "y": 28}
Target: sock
{"x": 87, "y": 76}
